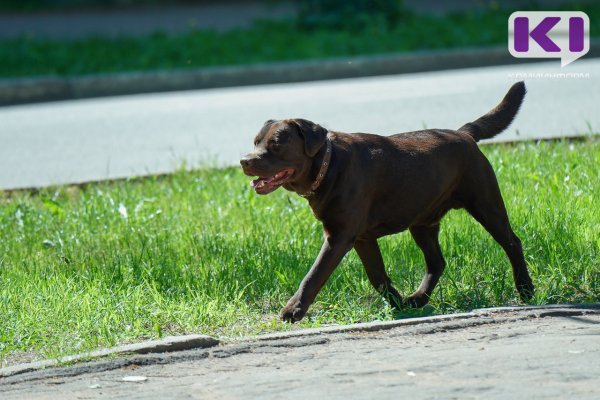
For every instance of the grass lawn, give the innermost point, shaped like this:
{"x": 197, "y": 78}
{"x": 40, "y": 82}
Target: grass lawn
{"x": 267, "y": 41}
{"x": 201, "y": 252}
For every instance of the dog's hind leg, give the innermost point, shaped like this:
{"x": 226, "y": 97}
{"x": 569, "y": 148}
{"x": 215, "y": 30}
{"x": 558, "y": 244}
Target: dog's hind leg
{"x": 486, "y": 205}
{"x": 426, "y": 238}
{"x": 370, "y": 255}
{"x": 480, "y": 196}
{"x": 493, "y": 217}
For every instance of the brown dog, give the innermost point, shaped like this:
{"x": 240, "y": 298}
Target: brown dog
{"x": 364, "y": 186}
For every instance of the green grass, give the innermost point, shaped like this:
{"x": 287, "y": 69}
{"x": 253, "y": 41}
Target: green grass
{"x": 201, "y": 252}
{"x": 265, "y": 42}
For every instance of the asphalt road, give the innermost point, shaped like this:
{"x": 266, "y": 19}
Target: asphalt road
{"x": 106, "y": 138}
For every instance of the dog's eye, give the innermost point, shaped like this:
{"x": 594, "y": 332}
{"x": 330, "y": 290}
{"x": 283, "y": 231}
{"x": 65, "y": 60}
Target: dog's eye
{"x": 274, "y": 147}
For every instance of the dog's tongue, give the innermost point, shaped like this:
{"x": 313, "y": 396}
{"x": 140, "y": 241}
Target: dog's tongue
{"x": 267, "y": 185}
{"x": 264, "y": 185}
{"x": 260, "y": 182}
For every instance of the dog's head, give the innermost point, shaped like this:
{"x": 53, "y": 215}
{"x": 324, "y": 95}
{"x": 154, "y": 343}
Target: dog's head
{"x": 283, "y": 155}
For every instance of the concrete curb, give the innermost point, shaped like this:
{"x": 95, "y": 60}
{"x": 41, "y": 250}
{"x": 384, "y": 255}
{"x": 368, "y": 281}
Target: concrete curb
{"x": 38, "y": 89}
{"x": 525, "y": 311}
{"x": 168, "y": 344}
{"x": 195, "y": 342}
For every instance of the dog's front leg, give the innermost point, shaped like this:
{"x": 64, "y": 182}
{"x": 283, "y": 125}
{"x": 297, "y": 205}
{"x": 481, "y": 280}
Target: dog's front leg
{"x": 333, "y": 250}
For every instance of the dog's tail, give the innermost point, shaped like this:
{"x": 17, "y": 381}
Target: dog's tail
{"x": 500, "y": 117}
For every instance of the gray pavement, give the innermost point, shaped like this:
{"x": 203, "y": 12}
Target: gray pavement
{"x": 107, "y": 138}
{"x": 543, "y": 353}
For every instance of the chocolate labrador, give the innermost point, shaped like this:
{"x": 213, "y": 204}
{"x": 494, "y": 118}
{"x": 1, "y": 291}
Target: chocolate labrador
{"x": 363, "y": 186}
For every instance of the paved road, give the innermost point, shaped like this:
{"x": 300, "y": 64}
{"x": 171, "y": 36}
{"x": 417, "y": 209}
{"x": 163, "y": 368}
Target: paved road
{"x": 541, "y": 354}
{"x": 75, "y": 141}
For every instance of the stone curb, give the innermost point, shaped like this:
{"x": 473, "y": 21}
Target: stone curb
{"x": 527, "y": 311}
{"x": 38, "y": 89}
{"x": 190, "y": 342}
{"x": 168, "y": 344}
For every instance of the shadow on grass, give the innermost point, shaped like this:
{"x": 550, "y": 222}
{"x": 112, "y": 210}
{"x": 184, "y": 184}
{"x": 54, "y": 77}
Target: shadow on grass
{"x": 426, "y": 311}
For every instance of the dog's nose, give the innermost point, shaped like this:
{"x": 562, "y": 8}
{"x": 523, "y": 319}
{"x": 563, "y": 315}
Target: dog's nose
{"x": 246, "y": 162}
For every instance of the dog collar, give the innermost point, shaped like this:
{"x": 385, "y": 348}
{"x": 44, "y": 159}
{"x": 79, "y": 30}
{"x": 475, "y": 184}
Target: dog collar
{"x": 324, "y": 166}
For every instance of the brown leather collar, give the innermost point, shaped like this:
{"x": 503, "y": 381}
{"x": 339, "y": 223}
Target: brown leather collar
{"x": 324, "y": 166}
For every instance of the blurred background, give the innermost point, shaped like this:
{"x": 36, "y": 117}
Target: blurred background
{"x": 147, "y": 85}
{"x": 74, "y": 37}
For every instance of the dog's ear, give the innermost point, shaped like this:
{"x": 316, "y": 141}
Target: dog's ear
{"x": 314, "y": 135}
{"x": 269, "y": 122}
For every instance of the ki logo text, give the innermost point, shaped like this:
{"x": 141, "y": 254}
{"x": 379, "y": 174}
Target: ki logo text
{"x": 549, "y": 34}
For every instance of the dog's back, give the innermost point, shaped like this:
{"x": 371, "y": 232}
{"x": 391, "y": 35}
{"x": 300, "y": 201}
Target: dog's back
{"x": 428, "y": 172}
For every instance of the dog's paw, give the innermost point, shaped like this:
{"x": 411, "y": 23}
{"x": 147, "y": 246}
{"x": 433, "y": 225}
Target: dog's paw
{"x": 416, "y": 300}
{"x": 526, "y": 290}
{"x": 293, "y": 311}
